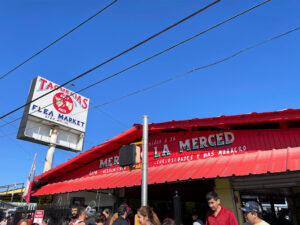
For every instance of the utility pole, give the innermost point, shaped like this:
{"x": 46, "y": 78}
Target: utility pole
{"x": 145, "y": 162}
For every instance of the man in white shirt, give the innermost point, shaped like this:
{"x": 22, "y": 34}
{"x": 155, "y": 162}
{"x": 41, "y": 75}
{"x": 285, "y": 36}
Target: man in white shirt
{"x": 253, "y": 213}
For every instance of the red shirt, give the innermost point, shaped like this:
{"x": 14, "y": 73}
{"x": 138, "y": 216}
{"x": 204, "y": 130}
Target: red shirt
{"x": 224, "y": 217}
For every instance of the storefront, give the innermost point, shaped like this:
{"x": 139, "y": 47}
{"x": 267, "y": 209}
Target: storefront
{"x": 253, "y": 156}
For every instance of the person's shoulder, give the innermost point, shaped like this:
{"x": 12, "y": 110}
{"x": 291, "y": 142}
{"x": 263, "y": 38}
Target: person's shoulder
{"x": 120, "y": 221}
{"x": 124, "y": 221}
{"x": 198, "y": 222}
{"x": 117, "y": 221}
{"x": 80, "y": 223}
{"x": 263, "y": 223}
{"x": 227, "y": 210}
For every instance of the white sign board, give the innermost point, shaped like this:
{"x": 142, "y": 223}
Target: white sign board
{"x": 62, "y": 108}
{"x": 38, "y": 217}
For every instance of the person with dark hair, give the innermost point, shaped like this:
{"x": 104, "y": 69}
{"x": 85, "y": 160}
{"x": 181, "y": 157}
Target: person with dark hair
{"x": 218, "y": 214}
{"x": 45, "y": 221}
{"x": 48, "y": 221}
{"x": 108, "y": 214}
{"x": 253, "y": 213}
{"x": 196, "y": 220}
{"x": 81, "y": 217}
{"x": 122, "y": 215}
{"x": 146, "y": 216}
{"x": 168, "y": 221}
{"x": 74, "y": 214}
{"x": 100, "y": 219}
{"x": 29, "y": 218}
{"x": 10, "y": 220}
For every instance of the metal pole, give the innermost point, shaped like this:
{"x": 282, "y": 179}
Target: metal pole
{"x": 50, "y": 153}
{"x": 233, "y": 200}
{"x": 13, "y": 192}
{"x": 145, "y": 162}
{"x": 177, "y": 208}
{"x": 22, "y": 191}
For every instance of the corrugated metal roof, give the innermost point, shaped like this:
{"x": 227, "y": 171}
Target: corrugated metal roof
{"x": 227, "y": 121}
{"x": 259, "y": 162}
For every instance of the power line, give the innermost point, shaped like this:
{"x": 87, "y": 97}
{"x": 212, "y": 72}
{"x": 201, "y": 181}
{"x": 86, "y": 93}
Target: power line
{"x": 114, "y": 119}
{"x": 153, "y": 56}
{"x": 174, "y": 46}
{"x": 198, "y": 68}
{"x": 57, "y": 40}
{"x": 111, "y": 117}
{"x": 191, "y": 71}
{"x": 114, "y": 57}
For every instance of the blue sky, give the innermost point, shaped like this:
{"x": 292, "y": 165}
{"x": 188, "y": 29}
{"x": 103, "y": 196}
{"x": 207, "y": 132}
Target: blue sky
{"x": 263, "y": 79}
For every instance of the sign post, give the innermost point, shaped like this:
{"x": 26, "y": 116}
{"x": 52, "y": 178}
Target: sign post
{"x": 51, "y": 149}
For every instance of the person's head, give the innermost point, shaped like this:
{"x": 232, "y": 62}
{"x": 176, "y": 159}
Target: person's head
{"x": 74, "y": 211}
{"x": 252, "y": 212}
{"x": 65, "y": 221}
{"x": 11, "y": 217}
{"x": 123, "y": 211}
{"x": 195, "y": 215}
{"x": 146, "y": 216}
{"x": 100, "y": 219}
{"x": 213, "y": 200}
{"x": 82, "y": 214}
{"x": 23, "y": 222}
{"x": 168, "y": 221}
{"x": 107, "y": 213}
{"x": 45, "y": 221}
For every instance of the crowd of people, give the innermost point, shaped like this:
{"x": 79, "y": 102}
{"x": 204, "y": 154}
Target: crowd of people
{"x": 218, "y": 215}
{"x": 89, "y": 216}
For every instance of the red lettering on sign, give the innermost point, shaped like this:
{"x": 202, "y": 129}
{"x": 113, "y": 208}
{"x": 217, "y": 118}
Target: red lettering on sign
{"x": 43, "y": 83}
{"x": 50, "y": 85}
{"x": 79, "y": 99}
{"x": 85, "y": 101}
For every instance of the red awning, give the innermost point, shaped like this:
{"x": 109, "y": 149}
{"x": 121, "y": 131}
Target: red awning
{"x": 135, "y": 133}
{"x": 250, "y": 163}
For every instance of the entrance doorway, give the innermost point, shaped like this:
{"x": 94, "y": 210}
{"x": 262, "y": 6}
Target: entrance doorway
{"x": 160, "y": 197}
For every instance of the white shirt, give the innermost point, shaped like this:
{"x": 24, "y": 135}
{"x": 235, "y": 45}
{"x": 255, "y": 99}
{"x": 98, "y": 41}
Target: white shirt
{"x": 198, "y": 222}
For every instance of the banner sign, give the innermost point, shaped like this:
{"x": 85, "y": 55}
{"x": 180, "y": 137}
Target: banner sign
{"x": 38, "y": 217}
{"x": 171, "y": 148}
{"x": 62, "y": 108}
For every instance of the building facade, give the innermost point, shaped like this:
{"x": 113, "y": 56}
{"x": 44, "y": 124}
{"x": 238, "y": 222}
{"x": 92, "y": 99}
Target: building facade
{"x": 253, "y": 156}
